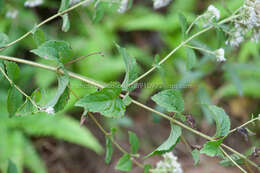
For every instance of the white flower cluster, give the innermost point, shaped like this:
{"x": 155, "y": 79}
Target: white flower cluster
{"x": 220, "y": 54}
{"x": 48, "y": 110}
{"x": 160, "y": 3}
{"x": 33, "y": 3}
{"x": 211, "y": 15}
{"x": 123, "y": 6}
{"x": 169, "y": 164}
{"x": 248, "y": 21}
{"x": 11, "y": 13}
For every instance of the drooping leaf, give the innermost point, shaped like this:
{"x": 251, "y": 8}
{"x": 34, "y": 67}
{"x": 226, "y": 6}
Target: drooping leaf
{"x": 191, "y": 58}
{"x": 184, "y": 25}
{"x": 32, "y": 160}
{"x": 227, "y": 162}
{"x": 170, "y": 143}
{"x": 13, "y": 70}
{"x": 222, "y": 120}
{"x": 60, "y": 99}
{"x": 211, "y": 148}
{"x": 131, "y": 69}
{"x": 196, "y": 156}
{"x": 61, "y": 127}
{"x": 105, "y": 101}
{"x": 125, "y": 163}
{"x": 109, "y": 150}
{"x": 3, "y": 39}
{"x": 66, "y": 23}
{"x": 11, "y": 167}
{"x": 134, "y": 142}
{"x": 39, "y": 37}
{"x": 14, "y": 100}
{"x": 99, "y": 12}
{"x": 170, "y": 99}
{"x": 53, "y": 50}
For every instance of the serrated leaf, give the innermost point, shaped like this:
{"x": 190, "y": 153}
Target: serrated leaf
{"x": 184, "y": 24}
{"x": 191, "y": 58}
{"x": 53, "y": 50}
{"x": 109, "y": 150}
{"x": 66, "y": 23}
{"x": 196, "y": 156}
{"x": 170, "y": 99}
{"x": 134, "y": 142}
{"x": 105, "y": 101}
{"x": 170, "y": 143}
{"x": 131, "y": 69}
{"x": 61, "y": 127}
{"x": 147, "y": 167}
{"x": 3, "y": 39}
{"x": 13, "y": 70}
{"x": 38, "y": 37}
{"x": 32, "y": 160}
{"x": 59, "y": 101}
{"x": 14, "y": 100}
{"x": 222, "y": 120}
{"x": 125, "y": 163}
{"x": 11, "y": 167}
{"x": 211, "y": 148}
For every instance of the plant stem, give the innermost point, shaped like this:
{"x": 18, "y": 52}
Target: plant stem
{"x": 44, "y": 22}
{"x": 181, "y": 45}
{"x": 82, "y": 57}
{"x": 230, "y": 158}
{"x": 97, "y": 84}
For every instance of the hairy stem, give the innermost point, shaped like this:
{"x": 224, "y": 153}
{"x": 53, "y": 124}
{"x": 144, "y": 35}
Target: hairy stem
{"x": 97, "y": 84}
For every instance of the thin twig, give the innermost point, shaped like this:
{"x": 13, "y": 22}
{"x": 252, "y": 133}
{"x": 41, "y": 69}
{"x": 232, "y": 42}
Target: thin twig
{"x": 83, "y": 57}
{"x": 97, "y": 84}
{"x": 245, "y": 124}
{"x": 234, "y": 162}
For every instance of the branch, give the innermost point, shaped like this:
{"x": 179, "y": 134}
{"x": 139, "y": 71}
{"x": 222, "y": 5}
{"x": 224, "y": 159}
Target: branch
{"x": 97, "y": 84}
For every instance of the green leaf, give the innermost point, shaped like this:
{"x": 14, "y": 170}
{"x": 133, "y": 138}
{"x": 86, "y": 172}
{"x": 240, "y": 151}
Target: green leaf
{"x": 205, "y": 100}
{"x": 226, "y": 161}
{"x": 99, "y": 12}
{"x": 59, "y": 101}
{"x": 147, "y": 167}
{"x": 61, "y": 127}
{"x": 170, "y": 143}
{"x": 39, "y": 37}
{"x": 125, "y": 163}
{"x": 14, "y": 100}
{"x": 109, "y": 150}
{"x": 53, "y": 50}
{"x": 1, "y": 6}
{"x": 131, "y": 69}
{"x": 66, "y": 23}
{"x": 13, "y": 70}
{"x": 134, "y": 142}
{"x": 234, "y": 78}
{"x": 105, "y": 101}
{"x": 196, "y": 156}
{"x": 127, "y": 99}
{"x": 1, "y": 74}
{"x": 191, "y": 58}
{"x": 170, "y": 99}
{"x": 184, "y": 25}
{"x": 32, "y": 160}
{"x": 64, "y": 5}
{"x": 11, "y": 167}
{"x": 3, "y": 39}
{"x": 211, "y": 148}
{"x": 222, "y": 120}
